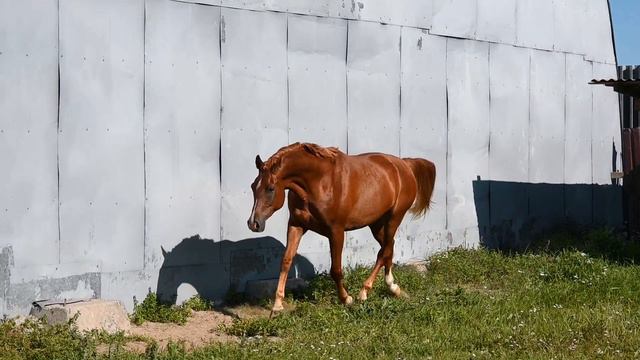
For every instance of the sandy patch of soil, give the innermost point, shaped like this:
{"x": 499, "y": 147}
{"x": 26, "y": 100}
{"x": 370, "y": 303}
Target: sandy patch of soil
{"x": 202, "y": 328}
{"x": 420, "y": 266}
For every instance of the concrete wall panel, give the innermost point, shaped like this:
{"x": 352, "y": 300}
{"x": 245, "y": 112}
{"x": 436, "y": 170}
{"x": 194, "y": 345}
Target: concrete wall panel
{"x": 423, "y": 127}
{"x": 101, "y": 134}
{"x": 416, "y": 13}
{"x": 182, "y": 124}
{"x": 509, "y": 86}
{"x": 254, "y": 69}
{"x": 373, "y": 78}
{"x": 28, "y": 130}
{"x": 535, "y": 31}
{"x": 254, "y": 117}
{"x": 468, "y": 131}
{"x": 455, "y": 18}
{"x": 569, "y": 18}
{"x": 578, "y": 115}
{"x": 497, "y": 21}
{"x": 317, "y": 81}
{"x": 547, "y": 124}
{"x": 598, "y": 46}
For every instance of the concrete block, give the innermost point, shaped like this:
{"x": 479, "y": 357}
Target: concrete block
{"x": 261, "y": 289}
{"x": 108, "y": 315}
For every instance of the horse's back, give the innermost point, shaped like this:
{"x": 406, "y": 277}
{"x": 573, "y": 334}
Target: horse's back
{"x": 374, "y": 184}
{"x": 382, "y": 163}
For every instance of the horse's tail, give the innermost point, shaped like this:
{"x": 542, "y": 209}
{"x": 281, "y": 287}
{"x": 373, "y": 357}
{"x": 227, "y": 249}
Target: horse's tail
{"x": 425, "y": 173}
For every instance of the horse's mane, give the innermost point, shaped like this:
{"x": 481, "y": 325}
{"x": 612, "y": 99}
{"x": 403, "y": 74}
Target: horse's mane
{"x": 316, "y": 150}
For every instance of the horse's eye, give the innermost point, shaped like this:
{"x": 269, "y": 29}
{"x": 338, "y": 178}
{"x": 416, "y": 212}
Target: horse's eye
{"x": 270, "y": 189}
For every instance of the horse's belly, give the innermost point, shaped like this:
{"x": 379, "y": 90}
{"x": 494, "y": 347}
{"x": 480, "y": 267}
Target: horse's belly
{"x": 366, "y": 213}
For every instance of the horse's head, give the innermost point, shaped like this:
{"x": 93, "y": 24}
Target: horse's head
{"x": 268, "y": 196}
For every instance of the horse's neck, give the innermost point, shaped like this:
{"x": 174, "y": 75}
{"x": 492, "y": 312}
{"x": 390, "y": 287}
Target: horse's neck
{"x": 300, "y": 172}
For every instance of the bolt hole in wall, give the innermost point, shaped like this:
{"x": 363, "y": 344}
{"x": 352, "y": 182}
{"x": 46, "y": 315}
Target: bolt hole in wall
{"x": 463, "y": 83}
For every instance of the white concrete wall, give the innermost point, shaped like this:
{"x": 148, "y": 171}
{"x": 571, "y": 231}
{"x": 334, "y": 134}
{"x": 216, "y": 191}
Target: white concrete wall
{"x": 162, "y": 105}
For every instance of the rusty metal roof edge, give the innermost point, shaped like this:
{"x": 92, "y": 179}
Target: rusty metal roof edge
{"x": 614, "y": 81}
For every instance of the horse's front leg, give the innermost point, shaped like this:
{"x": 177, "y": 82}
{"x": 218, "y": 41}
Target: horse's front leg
{"x": 336, "y": 243}
{"x": 294, "y": 234}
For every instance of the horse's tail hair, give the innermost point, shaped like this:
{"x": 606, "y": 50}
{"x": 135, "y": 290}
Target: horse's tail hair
{"x": 425, "y": 173}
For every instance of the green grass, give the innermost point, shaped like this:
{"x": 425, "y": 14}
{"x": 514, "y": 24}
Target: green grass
{"x": 151, "y": 309}
{"x": 470, "y": 304}
{"x": 35, "y": 340}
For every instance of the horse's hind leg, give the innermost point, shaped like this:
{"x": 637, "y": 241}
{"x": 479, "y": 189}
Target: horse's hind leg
{"x": 390, "y": 233}
{"x": 388, "y": 278}
{"x": 377, "y": 229}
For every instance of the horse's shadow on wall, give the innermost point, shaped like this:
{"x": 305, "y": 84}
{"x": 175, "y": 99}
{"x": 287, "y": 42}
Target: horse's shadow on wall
{"x": 213, "y": 268}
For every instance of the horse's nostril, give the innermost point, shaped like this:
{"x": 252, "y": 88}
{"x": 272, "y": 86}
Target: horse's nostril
{"x": 256, "y": 225}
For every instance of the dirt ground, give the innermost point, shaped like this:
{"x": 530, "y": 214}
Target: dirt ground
{"x": 202, "y": 328}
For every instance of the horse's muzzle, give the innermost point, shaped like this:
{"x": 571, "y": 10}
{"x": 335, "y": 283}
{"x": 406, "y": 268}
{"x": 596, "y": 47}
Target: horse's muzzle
{"x": 255, "y": 225}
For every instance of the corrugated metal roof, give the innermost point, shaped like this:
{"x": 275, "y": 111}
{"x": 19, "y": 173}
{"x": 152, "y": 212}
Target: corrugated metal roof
{"x": 628, "y": 81}
{"x": 615, "y": 81}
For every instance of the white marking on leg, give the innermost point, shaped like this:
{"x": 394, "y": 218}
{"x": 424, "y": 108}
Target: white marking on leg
{"x": 363, "y": 295}
{"x": 388, "y": 278}
{"x": 393, "y": 287}
{"x": 348, "y": 300}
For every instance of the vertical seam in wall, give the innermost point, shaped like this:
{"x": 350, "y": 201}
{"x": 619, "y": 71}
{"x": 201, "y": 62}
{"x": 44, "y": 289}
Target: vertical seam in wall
{"x": 286, "y": 57}
{"x": 529, "y": 71}
{"x": 564, "y": 142}
{"x": 346, "y": 82}
{"x": 489, "y": 142}
{"x": 400, "y": 97}
{"x": 221, "y": 30}
{"x": 591, "y": 88}
{"x": 447, "y": 162}
{"x": 58, "y": 146}
{"x": 144, "y": 140}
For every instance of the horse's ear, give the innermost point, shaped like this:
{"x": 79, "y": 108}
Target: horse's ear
{"x": 259, "y": 162}
{"x": 164, "y": 252}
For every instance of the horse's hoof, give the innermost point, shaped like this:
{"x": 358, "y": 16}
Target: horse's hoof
{"x": 363, "y": 295}
{"x": 348, "y": 300}
{"x": 401, "y": 294}
{"x": 275, "y": 310}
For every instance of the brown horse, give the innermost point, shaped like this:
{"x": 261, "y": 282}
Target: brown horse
{"x": 330, "y": 193}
